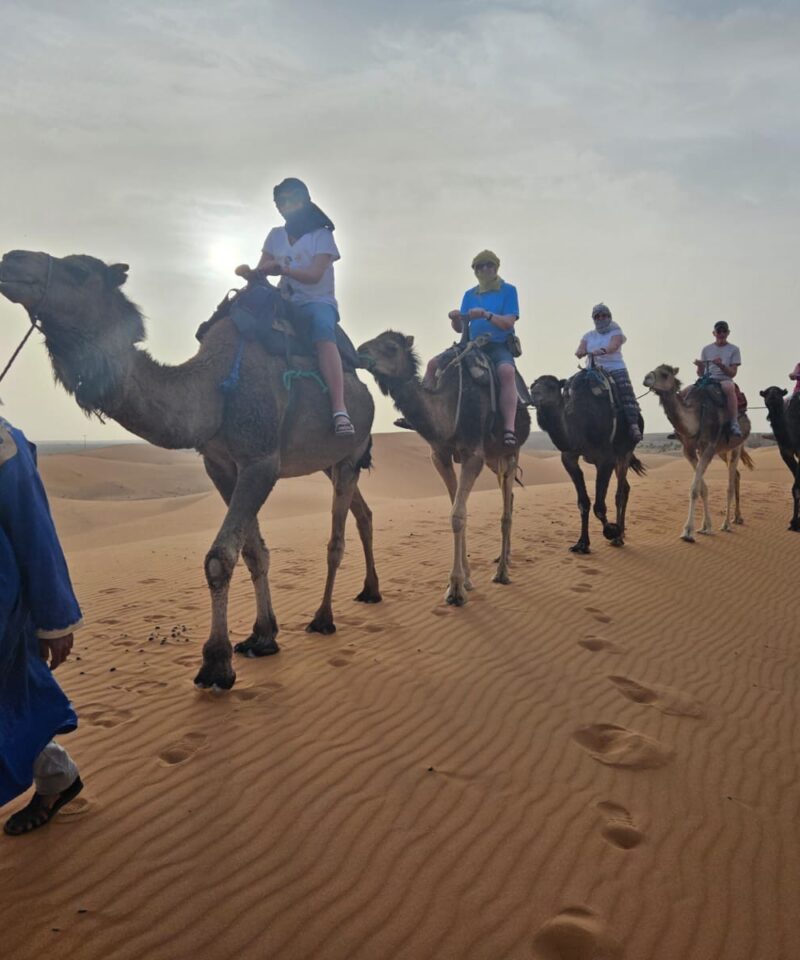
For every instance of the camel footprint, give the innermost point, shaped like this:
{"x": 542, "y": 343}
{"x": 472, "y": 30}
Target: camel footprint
{"x": 598, "y": 643}
{"x": 577, "y": 933}
{"x": 99, "y": 715}
{"x": 666, "y": 700}
{"x": 598, "y": 615}
{"x": 618, "y": 747}
{"x": 619, "y": 828}
{"x": 341, "y": 661}
{"x": 183, "y": 750}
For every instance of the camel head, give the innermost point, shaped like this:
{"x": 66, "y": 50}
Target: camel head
{"x": 89, "y": 325}
{"x": 773, "y": 400}
{"x": 664, "y": 379}
{"x": 390, "y": 358}
{"x": 546, "y": 391}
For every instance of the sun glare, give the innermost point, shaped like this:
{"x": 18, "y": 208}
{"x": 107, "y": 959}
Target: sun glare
{"x": 224, "y": 256}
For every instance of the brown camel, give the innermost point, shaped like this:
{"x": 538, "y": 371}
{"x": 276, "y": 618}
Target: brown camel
{"x": 701, "y": 424}
{"x": 462, "y": 429}
{"x": 248, "y": 437}
{"x": 587, "y": 425}
{"x": 784, "y": 418}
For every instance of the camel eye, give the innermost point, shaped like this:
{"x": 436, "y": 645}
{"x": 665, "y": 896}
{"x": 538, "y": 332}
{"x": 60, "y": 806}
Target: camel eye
{"x": 78, "y": 273}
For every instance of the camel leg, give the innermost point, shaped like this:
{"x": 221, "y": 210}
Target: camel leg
{"x": 621, "y": 501}
{"x": 371, "y": 592}
{"x": 444, "y": 467}
{"x": 253, "y": 485}
{"x": 604, "y": 473}
{"x": 737, "y": 516}
{"x": 733, "y": 476}
{"x": 571, "y": 465}
{"x": 345, "y": 477}
{"x": 470, "y": 468}
{"x": 696, "y": 488}
{"x": 261, "y": 641}
{"x": 363, "y": 517}
{"x": 795, "y": 521}
{"x": 506, "y": 472}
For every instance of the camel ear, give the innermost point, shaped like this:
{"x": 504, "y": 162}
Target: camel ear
{"x": 118, "y": 272}
{"x": 784, "y": 392}
{"x": 562, "y": 383}
{"x": 676, "y": 370}
{"x": 762, "y": 393}
{"x": 409, "y": 342}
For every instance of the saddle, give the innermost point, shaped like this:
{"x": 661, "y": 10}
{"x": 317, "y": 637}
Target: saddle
{"x": 473, "y": 359}
{"x": 261, "y": 314}
{"x": 705, "y": 387}
{"x": 599, "y": 384}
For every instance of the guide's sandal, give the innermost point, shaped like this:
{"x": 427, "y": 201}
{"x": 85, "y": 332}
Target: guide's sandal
{"x": 343, "y": 425}
{"x": 37, "y": 813}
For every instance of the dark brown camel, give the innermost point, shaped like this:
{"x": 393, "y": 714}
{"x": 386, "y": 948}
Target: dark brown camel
{"x": 585, "y": 424}
{"x": 248, "y": 437}
{"x": 784, "y": 419}
{"x": 464, "y": 430}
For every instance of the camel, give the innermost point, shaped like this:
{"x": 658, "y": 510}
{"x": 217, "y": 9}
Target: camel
{"x": 248, "y": 437}
{"x": 784, "y": 418}
{"x": 702, "y": 428}
{"x": 585, "y": 424}
{"x": 457, "y": 428}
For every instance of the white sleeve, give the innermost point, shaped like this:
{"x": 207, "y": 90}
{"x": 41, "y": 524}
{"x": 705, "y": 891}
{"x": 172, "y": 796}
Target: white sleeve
{"x": 269, "y": 243}
{"x": 323, "y": 242}
{"x": 618, "y": 333}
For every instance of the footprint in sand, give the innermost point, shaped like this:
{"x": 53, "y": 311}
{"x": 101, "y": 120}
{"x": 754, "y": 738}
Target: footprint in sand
{"x": 582, "y": 588}
{"x": 577, "y": 933}
{"x": 183, "y": 750}
{"x": 340, "y": 661}
{"x": 75, "y": 809}
{"x": 373, "y": 628}
{"x": 598, "y": 643}
{"x": 190, "y": 660}
{"x": 598, "y": 615}
{"x": 619, "y": 747}
{"x": 256, "y": 693}
{"x": 666, "y": 700}
{"x": 589, "y": 571}
{"x": 145, "y": 686}
{"x": 619, "y": 828}
{"x": 99, "y": 715}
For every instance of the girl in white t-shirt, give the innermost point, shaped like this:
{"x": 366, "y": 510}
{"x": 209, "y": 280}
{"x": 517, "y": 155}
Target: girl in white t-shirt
{"x": 603, "y": 345}
{"x": 302, "y": 254}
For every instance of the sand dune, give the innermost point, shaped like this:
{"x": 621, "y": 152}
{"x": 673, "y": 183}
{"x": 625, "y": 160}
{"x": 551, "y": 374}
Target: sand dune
{"x": 598, "y": 761}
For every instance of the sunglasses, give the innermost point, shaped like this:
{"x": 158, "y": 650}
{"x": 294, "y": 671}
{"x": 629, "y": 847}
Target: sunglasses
{"x": 484, "y": 265}
{"x": 601, "y": 316}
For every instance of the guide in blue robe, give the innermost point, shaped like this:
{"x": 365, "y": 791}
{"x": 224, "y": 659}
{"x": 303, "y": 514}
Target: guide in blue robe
{"x": 36, "y": 602}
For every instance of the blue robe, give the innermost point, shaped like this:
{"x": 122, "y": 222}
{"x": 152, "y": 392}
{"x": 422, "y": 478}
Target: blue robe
{"x": 36, "y": 600}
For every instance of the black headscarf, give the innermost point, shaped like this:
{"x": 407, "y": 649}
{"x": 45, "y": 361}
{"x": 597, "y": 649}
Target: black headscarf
{"x": 309, "y": 217}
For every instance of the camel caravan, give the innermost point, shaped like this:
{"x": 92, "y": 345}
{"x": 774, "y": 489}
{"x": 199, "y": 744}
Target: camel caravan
{"x": 273, "y": 392}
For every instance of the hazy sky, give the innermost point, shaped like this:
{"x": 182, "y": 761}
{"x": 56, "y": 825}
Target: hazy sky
{"x": 645, "y": 154}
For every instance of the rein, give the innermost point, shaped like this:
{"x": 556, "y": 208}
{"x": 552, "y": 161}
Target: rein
{"x": 33, "y": 316}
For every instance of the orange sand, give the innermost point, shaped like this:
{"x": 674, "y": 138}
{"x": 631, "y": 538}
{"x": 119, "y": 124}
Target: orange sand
{"x": 598, "y": 761}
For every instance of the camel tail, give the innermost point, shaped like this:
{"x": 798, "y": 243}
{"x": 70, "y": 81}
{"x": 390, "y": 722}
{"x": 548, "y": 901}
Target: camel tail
{"x": 638, "y": 467}
{"x": 365, "y": 463}
{"x": 747, "y": 460}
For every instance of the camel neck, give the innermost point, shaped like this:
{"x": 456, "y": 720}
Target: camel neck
{"x": 551, "y": 420}
{"x": 174, "y": 407}
{"x": 417, "y": 405}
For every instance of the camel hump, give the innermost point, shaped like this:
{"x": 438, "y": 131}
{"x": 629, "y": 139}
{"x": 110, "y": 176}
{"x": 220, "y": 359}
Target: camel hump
{"x": 8, "y": 445}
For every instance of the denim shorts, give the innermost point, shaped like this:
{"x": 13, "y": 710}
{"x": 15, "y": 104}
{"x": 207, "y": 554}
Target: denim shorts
{"x": 498, "y": 353}
{"x": 322, "y": 319}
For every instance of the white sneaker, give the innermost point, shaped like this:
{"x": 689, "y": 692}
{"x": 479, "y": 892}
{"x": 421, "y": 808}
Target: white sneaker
{"x": 736, "y": 430}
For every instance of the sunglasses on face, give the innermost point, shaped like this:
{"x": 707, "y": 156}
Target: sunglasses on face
{"x": 484, "y": 265}
{"x": 601, "y": 316}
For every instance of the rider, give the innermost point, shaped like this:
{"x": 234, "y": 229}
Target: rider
{"x": 720, "y": 361}
{"x": 490, "y": 308}
{"x": 604, "y": 346}
{"x": 302, "y": 254}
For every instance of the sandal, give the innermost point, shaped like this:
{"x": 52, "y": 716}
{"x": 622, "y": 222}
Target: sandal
{"x": 509, "y": 438}
{"x": 343, "y": 425}
{"x": 37, "y": 813}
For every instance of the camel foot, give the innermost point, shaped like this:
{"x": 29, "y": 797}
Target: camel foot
{"x": 738, "y": 521}
{"x": 688, "y": 538}
{"x": 707, "y": 531}
{"x": 455, "y": 596}
{"x": 215, "y": 676}
{"x": 726, "y": 528}
{"x": 580, "y": 547}
{"x": 501, "y": 577}
{"x": 617, "y": 542}
{"x": 794, "y": 526}
{"x": 255, "y": 646}
{"x": 369, "y": 595}
{"x": 468, "y": 585}
{"x": 322, "y": 623}
{"x": 611, "y": 531}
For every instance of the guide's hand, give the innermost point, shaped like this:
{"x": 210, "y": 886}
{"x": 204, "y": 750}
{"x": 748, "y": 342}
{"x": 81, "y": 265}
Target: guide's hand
{"x": 55, "y": 649}
{"x": 243, "y": 271}
{"x": 476, "y": 313}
